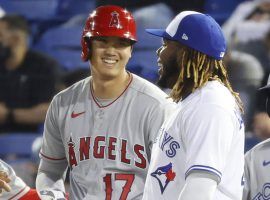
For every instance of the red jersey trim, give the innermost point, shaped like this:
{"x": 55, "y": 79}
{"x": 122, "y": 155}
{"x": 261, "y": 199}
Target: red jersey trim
{"x": 50, "y": 157}
{"x": 25, "y": 189}
{"x": 100, "y": 106}
{"x": 30, "y": 195}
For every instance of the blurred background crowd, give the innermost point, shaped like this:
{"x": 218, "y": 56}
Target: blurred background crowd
{"x": 40, "y": 55}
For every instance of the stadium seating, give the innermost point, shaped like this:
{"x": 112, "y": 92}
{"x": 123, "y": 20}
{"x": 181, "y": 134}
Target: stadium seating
{"x": 64, "y": 44}
{"x": 17, "y": 146}
{"x": 31, "y": 9}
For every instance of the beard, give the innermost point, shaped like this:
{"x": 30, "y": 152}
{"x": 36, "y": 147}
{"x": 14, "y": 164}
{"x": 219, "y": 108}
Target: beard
{"x": 169, "y": 74}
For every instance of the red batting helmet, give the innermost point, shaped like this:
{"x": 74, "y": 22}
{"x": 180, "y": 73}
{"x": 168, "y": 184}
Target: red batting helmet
{"x": 108, "y": 21}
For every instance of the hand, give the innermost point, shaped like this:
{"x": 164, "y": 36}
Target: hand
{"x": 4, "y": 180}
{"x": 3, "y": 113}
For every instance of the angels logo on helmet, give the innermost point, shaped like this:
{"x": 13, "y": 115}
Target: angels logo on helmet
{"x": 115, "y": 20}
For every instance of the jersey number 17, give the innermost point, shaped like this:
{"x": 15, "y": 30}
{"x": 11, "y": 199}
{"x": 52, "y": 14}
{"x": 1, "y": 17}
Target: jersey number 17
{"x": 129, "y": 178}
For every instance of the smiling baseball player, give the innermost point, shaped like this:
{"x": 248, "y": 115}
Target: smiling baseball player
{"x": 103, "y": 127}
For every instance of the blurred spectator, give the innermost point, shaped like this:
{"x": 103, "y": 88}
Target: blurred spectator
{"x": 261, "y": 50}
{"x": 28, "y": 78}
{"x": 245, "y": 74}
{"x": 256, "y": 174}
{"x": 249, "y": 21}
{"x": 261, "y": 122}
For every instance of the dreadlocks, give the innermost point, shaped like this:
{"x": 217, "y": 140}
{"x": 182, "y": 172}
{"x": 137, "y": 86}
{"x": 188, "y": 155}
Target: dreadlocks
{"x": 196, "y": 69}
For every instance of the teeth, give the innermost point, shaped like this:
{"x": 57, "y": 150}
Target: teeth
{"x": 109, "y": 61}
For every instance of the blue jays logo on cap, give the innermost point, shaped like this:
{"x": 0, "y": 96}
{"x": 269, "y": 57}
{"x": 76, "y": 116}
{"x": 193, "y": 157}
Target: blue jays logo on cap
{"x": 197, "y": 31}
{"x": 164, "y": 175}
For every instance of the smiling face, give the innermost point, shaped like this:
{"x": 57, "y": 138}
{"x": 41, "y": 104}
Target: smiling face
{"x": 167, "y": 62}
{"x": 109, "y": 56}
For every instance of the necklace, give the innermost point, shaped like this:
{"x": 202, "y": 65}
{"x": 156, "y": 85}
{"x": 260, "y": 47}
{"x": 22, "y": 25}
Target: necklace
{"x": 102, "y": 103}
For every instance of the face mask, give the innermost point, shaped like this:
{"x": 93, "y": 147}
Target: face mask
{"x": 5, "y": 53}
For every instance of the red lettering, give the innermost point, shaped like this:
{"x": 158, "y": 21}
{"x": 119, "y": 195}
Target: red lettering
{"x": 137, "y": 150}
{"x": 111, "y": 148}
{"x": 71, "y": 153}
{"x": 124, "y": 152}
{"x": 84, "y": 148}
{"x": 97, "y": 146}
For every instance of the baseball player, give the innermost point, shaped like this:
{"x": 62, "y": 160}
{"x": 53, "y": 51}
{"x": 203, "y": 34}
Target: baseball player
{"x": 257, "y": 164}
{"x": 12, "y": 187}
{"x": 103, "y": 127}
{"x": 199, "y": 152}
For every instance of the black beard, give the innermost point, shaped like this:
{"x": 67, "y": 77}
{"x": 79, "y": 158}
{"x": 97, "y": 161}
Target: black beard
{"x": 169, "y": 74}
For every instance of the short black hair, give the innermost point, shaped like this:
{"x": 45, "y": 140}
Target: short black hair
{"x": 16, "y": 22}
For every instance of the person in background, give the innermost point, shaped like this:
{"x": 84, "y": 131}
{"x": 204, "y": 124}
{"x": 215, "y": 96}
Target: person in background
{"x": 249, "y": 21}
{"x": 28, "y": 78}
{"x": 257, "y": 160}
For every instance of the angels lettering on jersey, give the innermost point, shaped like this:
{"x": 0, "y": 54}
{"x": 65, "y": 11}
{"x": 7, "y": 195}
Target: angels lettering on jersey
{"x": 110, "y": 148}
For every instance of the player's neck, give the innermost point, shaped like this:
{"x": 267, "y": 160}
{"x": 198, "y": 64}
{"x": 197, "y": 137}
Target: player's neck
{"x": 109, "y": 89}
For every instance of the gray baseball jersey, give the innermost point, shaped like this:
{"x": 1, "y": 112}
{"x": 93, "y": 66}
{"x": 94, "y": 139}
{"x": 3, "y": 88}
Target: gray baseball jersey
{"x": 257, "y": 172}
{"x": 107, "y": 147}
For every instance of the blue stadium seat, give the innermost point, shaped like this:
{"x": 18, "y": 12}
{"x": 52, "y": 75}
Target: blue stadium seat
{"x": 17, "y": 146}
{"x": 70, "y": 59}
{"x": 61, "y": 37}
{"x": 146, "y": 41}
{"x": 64, "y": 44}
{"x": 69, "y": 8}
{"x": 31, "y": 9}
{"x": 144, "y": 63}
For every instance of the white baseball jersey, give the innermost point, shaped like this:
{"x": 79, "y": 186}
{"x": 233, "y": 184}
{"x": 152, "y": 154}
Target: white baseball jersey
{"x": 18, "y": 187}
{"x": 205, "y": 134}
{"x": 107, "y": 147}
{"x": 257, "y": 172}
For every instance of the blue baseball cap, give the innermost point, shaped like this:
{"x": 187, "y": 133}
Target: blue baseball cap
{"x": 196, "y": 30}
